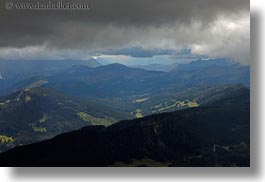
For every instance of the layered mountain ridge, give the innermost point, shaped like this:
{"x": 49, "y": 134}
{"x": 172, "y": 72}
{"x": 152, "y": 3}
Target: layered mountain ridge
{"x": 213, "y": 135}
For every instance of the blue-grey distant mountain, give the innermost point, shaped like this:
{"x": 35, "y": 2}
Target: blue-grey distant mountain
{"x": 15, "y": 71}
{"x": 213, "y": 71}
{"x": 139, "y": 92}
{"x": 132, "y": 90}
{"x": 156, "y": 67}
{"x": 116, "y": 80}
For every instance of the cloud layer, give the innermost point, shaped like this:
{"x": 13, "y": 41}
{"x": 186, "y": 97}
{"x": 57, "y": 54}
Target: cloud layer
{"x": 212, "y": 27}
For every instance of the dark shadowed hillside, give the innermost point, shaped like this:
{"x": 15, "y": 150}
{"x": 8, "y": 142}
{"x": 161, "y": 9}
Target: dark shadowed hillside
{"x": 35, "y": 114}
{"x": 216, "y": 134}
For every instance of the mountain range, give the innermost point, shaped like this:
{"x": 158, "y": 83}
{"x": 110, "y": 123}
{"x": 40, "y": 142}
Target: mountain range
{"x": 216, "y": 134}
{"x": 11, "y": 76}
{"x": 195, "y": 114}
{"x": 35, "y": 114}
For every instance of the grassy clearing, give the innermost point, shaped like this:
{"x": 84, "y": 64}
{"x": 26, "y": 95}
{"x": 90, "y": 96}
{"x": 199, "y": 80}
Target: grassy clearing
{"x": 140, "y": 100}
{"x": 138, "y": 113}
{"x": 93, "y": 120}
{"x": 177, "y": 104}
{"x": 38, "y": 128}
{"x": 6, "y": 139}
{"x": 193, "y": 104}
{"x": 43, "y": 118}
{"x": 4, "y": 103}
{"x": 27, "y": 98}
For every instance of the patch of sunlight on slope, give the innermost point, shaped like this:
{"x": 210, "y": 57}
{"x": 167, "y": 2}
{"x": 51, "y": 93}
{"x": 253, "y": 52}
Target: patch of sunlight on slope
{"x": 27, "y": 98}
{"x": 43, "y": 118}
{"x": 138, "y": 113}
{"x": 192, "y": 104}
{"x": 4, "y": 103}
{"x": 38, "y": 128}
{"x": 140, "y": 100}
{"x": 93, "y": 120}
{"x": 37, "y": 83}
{"x": 6, "y": 139}
{"x": 177, "y": 104}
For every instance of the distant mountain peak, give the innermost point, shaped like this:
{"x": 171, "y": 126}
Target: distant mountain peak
{"x": 115, "y": 66}
{"x": 204, "y": 63}
{"x": 92, "y": 62}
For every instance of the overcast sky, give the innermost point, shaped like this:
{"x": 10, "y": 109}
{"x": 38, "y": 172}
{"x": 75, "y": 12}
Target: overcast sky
{"x": 216, "y": 28}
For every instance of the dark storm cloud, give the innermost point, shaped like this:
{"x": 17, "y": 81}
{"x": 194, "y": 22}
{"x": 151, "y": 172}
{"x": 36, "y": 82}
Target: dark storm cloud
{"x": 116, "y": 24}
{"x": 25, "y": 27}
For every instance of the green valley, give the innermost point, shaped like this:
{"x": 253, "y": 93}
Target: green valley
{"x": 35, "y": 114}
